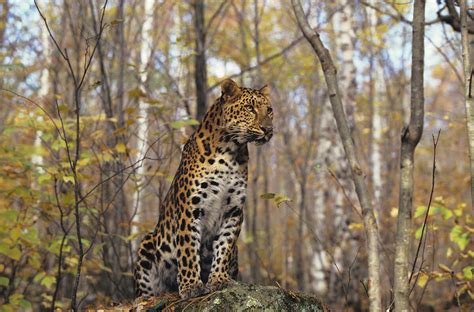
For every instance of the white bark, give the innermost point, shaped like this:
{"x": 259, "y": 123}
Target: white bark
{"x": 37, "y": 158}
{"x": 142, "y": 121}
{"x": 377, "y": 118}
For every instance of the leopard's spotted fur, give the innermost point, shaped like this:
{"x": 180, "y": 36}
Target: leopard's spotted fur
{"x": 193, "y": 247}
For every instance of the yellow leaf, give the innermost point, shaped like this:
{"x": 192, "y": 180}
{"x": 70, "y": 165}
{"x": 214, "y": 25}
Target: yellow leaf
{"x": 356, "y": 226}
{"x": 394, "y": 212}
{"x": 136, "y": 92}
{"x": 422, "y": 279}
{"x": 15, "y": 233}
{"x": 116, "y": 21}
{"x": 120, "y": 147}
{"x": 445, "y": 268}
{"x": 68, "y": 179}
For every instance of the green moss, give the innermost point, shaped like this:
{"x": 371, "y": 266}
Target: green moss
{"x": 243, "y": 297}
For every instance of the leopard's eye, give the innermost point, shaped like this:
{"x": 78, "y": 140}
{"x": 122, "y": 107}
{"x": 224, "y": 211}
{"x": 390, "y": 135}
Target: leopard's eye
{"x": 269, "y": 110}
{"x": 249, "y": 108}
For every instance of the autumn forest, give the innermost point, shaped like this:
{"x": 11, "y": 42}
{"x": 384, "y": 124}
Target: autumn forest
{"x": 363, "y": 197}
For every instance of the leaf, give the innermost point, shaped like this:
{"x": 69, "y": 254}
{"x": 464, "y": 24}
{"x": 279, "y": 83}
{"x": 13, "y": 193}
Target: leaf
{"x": 25, "y": 304}
{"x": 447, "y": 213}
{"x": 280, "y": 198}
{"x": 422, "y": 279}
{"x": 136, "y": 92}
{"x": 31, "y": 236}
{"x": 63, "y": 108}
{"x": 183, "y": 123}
{"x": 15, "y": 233}
{"x": 420, "y": 211}
{"x": 121, "y": 148}
{"x": 394, "y": 212}
{"x": 45, "y": 177}
{"x": 105, "y": 268}
{"x": 116, "y": 21}
{"x": 38, "y": 277}
{"x": 418, "y": 232}
{"x": 68, "y": 178}
{"x": 457, "y": 236}
{"x": 4, "y": 281}
{"x": 48, "y": 281}
{"x": 468, "y": 272}
{"x": 267, "y": 196}
{"x": 15, "y": 299}
{"x": 445, "y": 268}
{"x": 356, "y": 226}
{"x": 13, "y": 252}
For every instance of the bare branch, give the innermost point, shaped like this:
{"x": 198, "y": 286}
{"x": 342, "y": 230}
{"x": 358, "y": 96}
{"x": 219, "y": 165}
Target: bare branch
{"x": 425, "y": 221}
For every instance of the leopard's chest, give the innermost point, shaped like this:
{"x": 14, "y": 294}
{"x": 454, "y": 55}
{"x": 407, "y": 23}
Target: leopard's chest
{"x": 222, "y": 187}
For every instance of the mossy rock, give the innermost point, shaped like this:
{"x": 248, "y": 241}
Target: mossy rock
{"x": 238, "y": 297}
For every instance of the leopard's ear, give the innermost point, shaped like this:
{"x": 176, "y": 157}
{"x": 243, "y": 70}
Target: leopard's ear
{"x": 265, "y": 90}
{"x": 229, "y": 88}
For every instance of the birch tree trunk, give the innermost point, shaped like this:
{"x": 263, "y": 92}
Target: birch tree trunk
{"x": 37, "y": 158}
{"x": 142, "y": 121}
{"x": 376, "y": 113}
{"x": 411, "y": 135}
{"x": 466, "y": 39}
{"x": 352, "y": 153}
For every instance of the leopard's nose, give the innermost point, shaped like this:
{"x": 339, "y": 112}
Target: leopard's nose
{"x": 267, "y": 129}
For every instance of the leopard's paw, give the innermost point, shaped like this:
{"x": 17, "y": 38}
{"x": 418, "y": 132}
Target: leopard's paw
{"x": 194, "y": 290}
{"x": 219, "y": 283}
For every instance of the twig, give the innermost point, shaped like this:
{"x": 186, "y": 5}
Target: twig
{"x": 354, "y": 207}
{"x": 61, "y": 247}
{"x": 74, "y": 160}
{"x": 267, "y": 60}
{"x": 455, "y": 291}
{"x": 433, "y": 180}
{"x": 318, "y": 240}
{"x": 398, "y": 15}
{"x": 37, "y": 105}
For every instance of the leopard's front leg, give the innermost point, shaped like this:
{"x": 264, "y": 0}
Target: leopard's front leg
{"x": 188, "y": 242}
{"x": 223, "y": 249}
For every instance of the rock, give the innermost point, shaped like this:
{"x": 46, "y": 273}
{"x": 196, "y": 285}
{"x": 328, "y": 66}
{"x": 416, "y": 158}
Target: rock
{"x": 238, "y": 297}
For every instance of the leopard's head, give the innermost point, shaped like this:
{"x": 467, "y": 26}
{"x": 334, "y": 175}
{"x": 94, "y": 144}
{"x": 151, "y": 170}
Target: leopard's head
{"x": 248, "y": 115}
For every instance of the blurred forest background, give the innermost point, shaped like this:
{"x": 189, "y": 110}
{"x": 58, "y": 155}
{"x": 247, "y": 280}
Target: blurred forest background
{"x": 91, "y": 135}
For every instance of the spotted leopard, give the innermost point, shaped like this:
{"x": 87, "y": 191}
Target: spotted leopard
{"x": 193, "y": 246}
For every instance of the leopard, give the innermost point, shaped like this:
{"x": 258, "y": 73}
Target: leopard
{"x": 192, "y": 250}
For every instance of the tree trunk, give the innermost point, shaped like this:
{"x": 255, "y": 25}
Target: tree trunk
{"x": 370, "y": 225}
{"x": 37, "y": 159}
{"x": 375, "y": 104}
{"x": 410, "y": 137}
{"x": 254, "y": 246}
{"x": 200, "y": 66}
{"x": 468, "y": 100}
{"x": 300, "y": 263}
{"x": 142, "y": 121}
{"x": 331, "y": 156}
